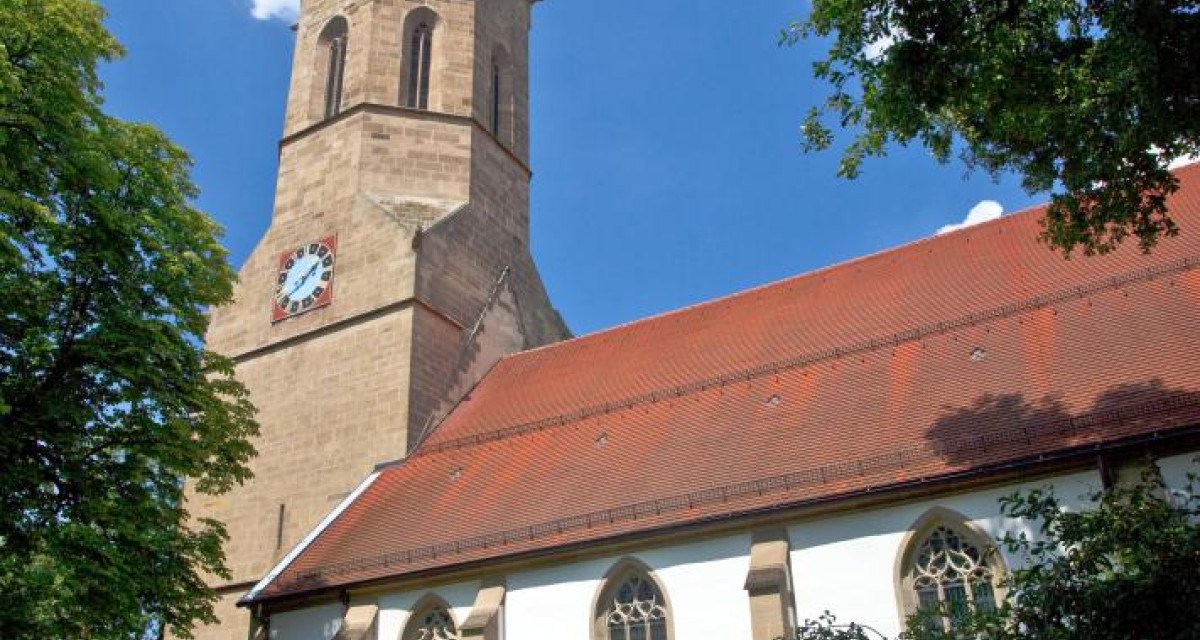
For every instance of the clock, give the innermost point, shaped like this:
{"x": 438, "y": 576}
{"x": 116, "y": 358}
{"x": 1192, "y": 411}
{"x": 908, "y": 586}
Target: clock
{"x": 305, "y": 279}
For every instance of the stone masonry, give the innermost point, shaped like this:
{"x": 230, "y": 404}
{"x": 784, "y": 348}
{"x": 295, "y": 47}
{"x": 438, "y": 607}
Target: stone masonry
{"x": 433, "y": 278}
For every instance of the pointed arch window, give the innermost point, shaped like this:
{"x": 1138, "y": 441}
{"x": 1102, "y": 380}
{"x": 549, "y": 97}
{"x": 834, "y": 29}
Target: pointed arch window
{"x": 433, "y": 621}
{"x": 950, "y": 568}
{"x": 419, "y": 64}
{"x": 632, "y": 606}
{"x": 333, "y": 43}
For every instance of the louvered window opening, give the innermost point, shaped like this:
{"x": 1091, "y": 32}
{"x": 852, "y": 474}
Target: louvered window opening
{"x": 333, "y": 78}
{"x": 419, "y": 66}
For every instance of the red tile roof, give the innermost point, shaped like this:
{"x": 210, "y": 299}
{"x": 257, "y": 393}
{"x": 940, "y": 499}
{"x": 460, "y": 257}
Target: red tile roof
{"x": 957, "y": 352}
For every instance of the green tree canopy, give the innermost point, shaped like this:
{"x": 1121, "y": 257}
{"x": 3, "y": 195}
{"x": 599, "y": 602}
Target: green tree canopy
{"x": 1089, "y": 99}
{"x": 107, "y": 396}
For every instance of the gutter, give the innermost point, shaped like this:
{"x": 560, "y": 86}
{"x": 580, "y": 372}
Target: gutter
{"x": 1173, "y": 439}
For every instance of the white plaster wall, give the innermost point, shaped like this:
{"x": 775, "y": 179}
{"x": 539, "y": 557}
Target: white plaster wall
{"x": 1175, "y": 470}
{"x": 395, "y": 608}
{"x": 314, "y": 623}
{"x": 551, "y": 599}
{"x": 845, "y": 564}
{"x": 705, "y": 586}
{"x": 703, "y": 583}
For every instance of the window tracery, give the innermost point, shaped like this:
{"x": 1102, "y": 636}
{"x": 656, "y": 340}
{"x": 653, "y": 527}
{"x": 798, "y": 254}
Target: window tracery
{"x": 435, "y": 623}
{"x": 949, "y": 572}
{"x": 635, "y": 610}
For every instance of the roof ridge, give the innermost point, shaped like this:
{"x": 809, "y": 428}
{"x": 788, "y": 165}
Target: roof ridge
{"x": 807, "y": 359}
{"x": 845, "y": 264}
{"x": 936, "y": 237}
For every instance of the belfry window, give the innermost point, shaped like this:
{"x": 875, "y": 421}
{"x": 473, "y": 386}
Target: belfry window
{"x": 950, "y": 572}
{"x": 632, "y": 607}
{"x": 431, "y": 622}
{"x": 333, "y": 42}
{"x": 420, "y": 54}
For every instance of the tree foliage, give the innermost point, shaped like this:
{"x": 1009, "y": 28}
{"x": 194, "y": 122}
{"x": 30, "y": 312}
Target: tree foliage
{"x": 1088, "y": 98}
{"x": 107, "y": 396}
{"x": 1126, "y": 569}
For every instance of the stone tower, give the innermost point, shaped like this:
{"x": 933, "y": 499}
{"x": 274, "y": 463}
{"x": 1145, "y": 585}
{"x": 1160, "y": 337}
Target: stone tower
{"x": 396, "y": 269}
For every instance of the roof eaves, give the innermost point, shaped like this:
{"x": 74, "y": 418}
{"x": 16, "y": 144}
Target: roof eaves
{"x": 312, "y": 536}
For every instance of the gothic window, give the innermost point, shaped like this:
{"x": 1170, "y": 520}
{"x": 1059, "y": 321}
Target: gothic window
{"x": 332, "y": 43}
{"x": 632, "y": 607}
{"x": 951, "y": 569}
{"x": 419, "y": 29}
{"x": 431, "y": 622}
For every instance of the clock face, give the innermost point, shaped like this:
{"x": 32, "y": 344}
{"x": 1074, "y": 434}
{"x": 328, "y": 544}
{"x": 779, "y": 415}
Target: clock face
{"x": 305, "y": 279}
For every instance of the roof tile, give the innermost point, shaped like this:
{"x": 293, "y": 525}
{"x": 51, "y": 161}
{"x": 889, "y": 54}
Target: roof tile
{"x": 948, "y": 354}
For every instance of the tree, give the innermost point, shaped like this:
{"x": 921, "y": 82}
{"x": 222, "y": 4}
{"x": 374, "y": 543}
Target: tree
{"x": 1127, "y": 569}
{"x": 107, "y": 396}
{"x": 1091, "y": 98}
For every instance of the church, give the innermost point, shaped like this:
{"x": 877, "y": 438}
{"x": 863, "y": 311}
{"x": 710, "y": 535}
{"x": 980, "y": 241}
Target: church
{"x": 440, "y": 459}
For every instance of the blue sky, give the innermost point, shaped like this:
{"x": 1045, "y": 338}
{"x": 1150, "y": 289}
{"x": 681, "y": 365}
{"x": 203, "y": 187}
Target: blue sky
{"x": 666, "y": 152}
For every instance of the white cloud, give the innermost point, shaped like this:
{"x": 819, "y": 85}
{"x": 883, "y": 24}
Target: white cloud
{"x": 1181, "y": 161}
{"x": 1176, "y": 162}
{"x": 879, "y": 47}
{"x": 983, "y": 212}
{"x": 281, "y": 9}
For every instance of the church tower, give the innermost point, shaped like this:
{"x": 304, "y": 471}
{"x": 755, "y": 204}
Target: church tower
{"x": 396, "y": 269}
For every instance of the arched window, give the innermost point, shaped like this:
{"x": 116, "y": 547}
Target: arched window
{"x": 948, "y": 567}
{"x": 431, "y": 620}
{"x": 632, "y": 606}
{"x": 419, "y": 29}
{"x": 332, "y": 57}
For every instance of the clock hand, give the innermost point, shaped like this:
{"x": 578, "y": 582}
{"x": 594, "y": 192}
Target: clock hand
{"x": 304, "y": 279}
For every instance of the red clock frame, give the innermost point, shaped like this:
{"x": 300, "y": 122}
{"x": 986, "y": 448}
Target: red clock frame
{"x": 286, "y": 259}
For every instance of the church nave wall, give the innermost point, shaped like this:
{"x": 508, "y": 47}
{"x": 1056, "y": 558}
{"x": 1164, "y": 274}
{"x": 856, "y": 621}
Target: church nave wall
{"x": 850, "y": 564}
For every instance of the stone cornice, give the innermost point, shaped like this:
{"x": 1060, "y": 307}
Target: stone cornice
{"x": 416, "y": 114}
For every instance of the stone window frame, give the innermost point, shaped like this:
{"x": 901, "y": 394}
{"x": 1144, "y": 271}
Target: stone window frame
{"x": 904, "y": 579}
{"x": 418, "y": 73}
{"x": 329, "y": 68}
{"x": 424, "y": 607}
{"x": 616, "y": 575}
